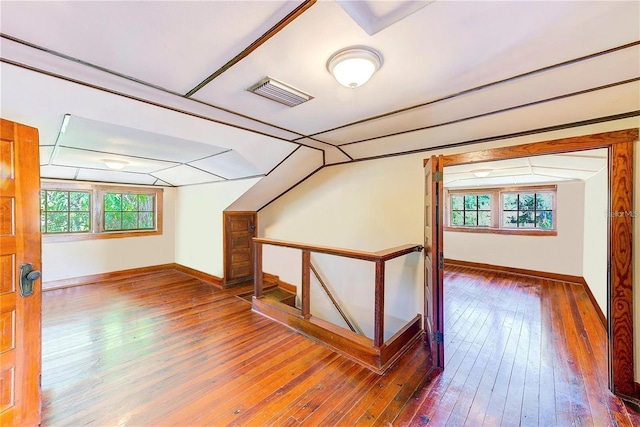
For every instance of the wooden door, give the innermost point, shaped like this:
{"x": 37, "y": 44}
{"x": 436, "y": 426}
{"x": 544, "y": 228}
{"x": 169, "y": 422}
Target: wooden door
{"x": 239, "y": 229}
{"x": 19, "y": 245}
{"x": 434, "y": 260}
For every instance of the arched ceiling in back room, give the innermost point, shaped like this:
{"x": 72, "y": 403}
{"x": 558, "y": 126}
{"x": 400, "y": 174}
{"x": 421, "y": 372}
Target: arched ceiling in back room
{"x": 163, "y": 85}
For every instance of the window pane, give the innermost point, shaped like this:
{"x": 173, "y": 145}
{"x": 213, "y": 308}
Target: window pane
{"x": 57, "y": 222}
{"x": 146, "y": 202}
{"x": 526, "y": 219}
{"x": 544, "y": 201}
{"x": 484, "y": 219}
{"x": 112, "y": 221}
{"x": 79, "y": 201}
{"x": 129, "y": 202}
{"x": 526, "y": 201}
{"x": 471, "y": 218}
{"x": 129, "y": 220}
{"x": 544, "y": 219}
{"x": 57, "y": 201}
{"x": 457, "y": 218}
{"x": 484, "y": 202}
{"x": 510, "y": 202}
{"x": 79, "y": 222}
{"x": 43, "y": 222}
{"x": 43, "y": 201}
{"x": 457, "y": 203}
{"x": 470, "y": 202}
{"x": 510, "y": 219}
{"x": 112, "y": 202}
{"x": 146, "y": 220}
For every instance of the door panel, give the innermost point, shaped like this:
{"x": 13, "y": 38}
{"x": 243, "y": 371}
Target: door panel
{"x": 239, "y": 230}
{"x": 19, "y": 244}
{"x": 433, "y": 264}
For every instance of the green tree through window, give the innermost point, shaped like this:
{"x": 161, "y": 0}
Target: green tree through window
{"x": 527, "y": 210}
{"x": 129, "y": 211}
{"x": 65, "y": 211}
{"x": 471, "y": 210}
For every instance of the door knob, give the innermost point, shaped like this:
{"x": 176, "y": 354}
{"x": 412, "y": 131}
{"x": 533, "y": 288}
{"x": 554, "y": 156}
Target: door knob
{"x": 27, "y": 276}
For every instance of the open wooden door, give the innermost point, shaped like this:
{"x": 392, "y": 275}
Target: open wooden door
{"x": 434, "y": 260}
{"x": 20, "y": 253}
{"x": 239, "y": 230}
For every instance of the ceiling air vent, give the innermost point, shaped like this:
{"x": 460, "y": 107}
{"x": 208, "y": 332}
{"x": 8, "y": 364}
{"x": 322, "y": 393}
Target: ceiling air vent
{"x": 279, "y": 92}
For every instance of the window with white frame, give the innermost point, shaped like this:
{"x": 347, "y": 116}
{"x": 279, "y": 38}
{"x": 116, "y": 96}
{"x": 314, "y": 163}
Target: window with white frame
{"x": 508, "y": 210}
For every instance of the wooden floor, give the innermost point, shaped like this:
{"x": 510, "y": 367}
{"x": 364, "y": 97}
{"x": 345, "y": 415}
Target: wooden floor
{"x": 165, "y": 349}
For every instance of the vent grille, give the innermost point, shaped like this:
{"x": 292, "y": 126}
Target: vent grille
{"x": 279, "y": 92}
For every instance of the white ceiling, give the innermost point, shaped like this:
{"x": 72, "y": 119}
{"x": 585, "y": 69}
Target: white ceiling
{"x": 453, "y": 72}
{"x": 578, "y": 166}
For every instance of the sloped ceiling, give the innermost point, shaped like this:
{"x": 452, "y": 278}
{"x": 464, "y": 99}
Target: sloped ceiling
{"x": 453, "y": 72}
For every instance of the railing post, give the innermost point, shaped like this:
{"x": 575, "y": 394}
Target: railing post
{"x": 306, "y": 284}
{"x": 378, "y": 320}
{"x": 257, "y": 270}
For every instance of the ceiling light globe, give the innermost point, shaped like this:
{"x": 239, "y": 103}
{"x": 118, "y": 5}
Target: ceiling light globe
{"x": 354, "y": 67}
{"x": 115, "y": 164}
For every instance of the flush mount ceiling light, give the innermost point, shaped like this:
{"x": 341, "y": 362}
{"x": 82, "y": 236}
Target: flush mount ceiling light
{"x": 116, "y": 165}
{"x": 481, "y": 173}
{"x": 353, "y": 67}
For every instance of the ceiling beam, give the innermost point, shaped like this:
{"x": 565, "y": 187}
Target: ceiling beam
{"x": 256, "y": 44}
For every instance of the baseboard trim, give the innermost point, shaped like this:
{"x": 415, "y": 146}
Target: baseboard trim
{"x": 535, "y": 273}
{"x": 103, "y": 277}
{"x": 205, "y": 277}
{"x": 520, "y": 271}
{"x": 274, "y": 280}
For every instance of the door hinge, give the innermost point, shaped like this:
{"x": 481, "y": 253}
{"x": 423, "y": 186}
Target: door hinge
{"x": 441, "y": 260}
{"x": 438, "y": 337}
{"x": 438, "y": 176}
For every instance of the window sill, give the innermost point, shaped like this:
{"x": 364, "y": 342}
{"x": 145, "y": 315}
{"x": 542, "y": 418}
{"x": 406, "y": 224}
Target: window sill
{"x": 62, "y": 237}
{"x": 522, "y": 232}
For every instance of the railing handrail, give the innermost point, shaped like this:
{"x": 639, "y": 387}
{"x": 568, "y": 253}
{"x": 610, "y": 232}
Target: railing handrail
{"x": 383, "y": 255}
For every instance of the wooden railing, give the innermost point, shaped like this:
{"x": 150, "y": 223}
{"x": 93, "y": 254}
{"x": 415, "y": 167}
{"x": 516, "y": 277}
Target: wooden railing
{"x": 383, "y": 352}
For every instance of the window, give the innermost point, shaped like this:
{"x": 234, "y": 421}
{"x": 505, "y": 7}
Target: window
{"x": 471, "y": 210}
{"x": 523, "y": 210}
{"x": 128, "y": 211}
{"x": 527, "y": 210}
{"x": 65, "y": 211}
{"x": 71, "y": 211}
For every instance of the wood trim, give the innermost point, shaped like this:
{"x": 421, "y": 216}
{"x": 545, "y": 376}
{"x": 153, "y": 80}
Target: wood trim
{"x": 401, "y": 340}
{"x": 205, "y": 277}
{"x": 351, "y": 345}
{"x": 383, "y": 255}
{"x": 595, "y": 304}
{"x": 273, "y": 280}
{"x": 621, "y": 265}
{"x": 256, "y": 44}
{"x": 521, "y": 232}
{"x": 519, "y": 271}
{"x": 103, "y": 277}
{"x": 576, "y": 143}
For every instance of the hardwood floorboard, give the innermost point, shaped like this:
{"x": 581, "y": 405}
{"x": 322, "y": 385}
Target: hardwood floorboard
{"x": 165, "y": 349}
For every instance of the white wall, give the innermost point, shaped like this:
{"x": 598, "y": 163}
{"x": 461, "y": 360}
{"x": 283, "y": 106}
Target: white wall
{"x": 199, "y": 228}
{"x": 368, "y": 206}
{"x": 595, "y": 237}
{"x": 66, "y": 260}
{"x": 552, "y": 254}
